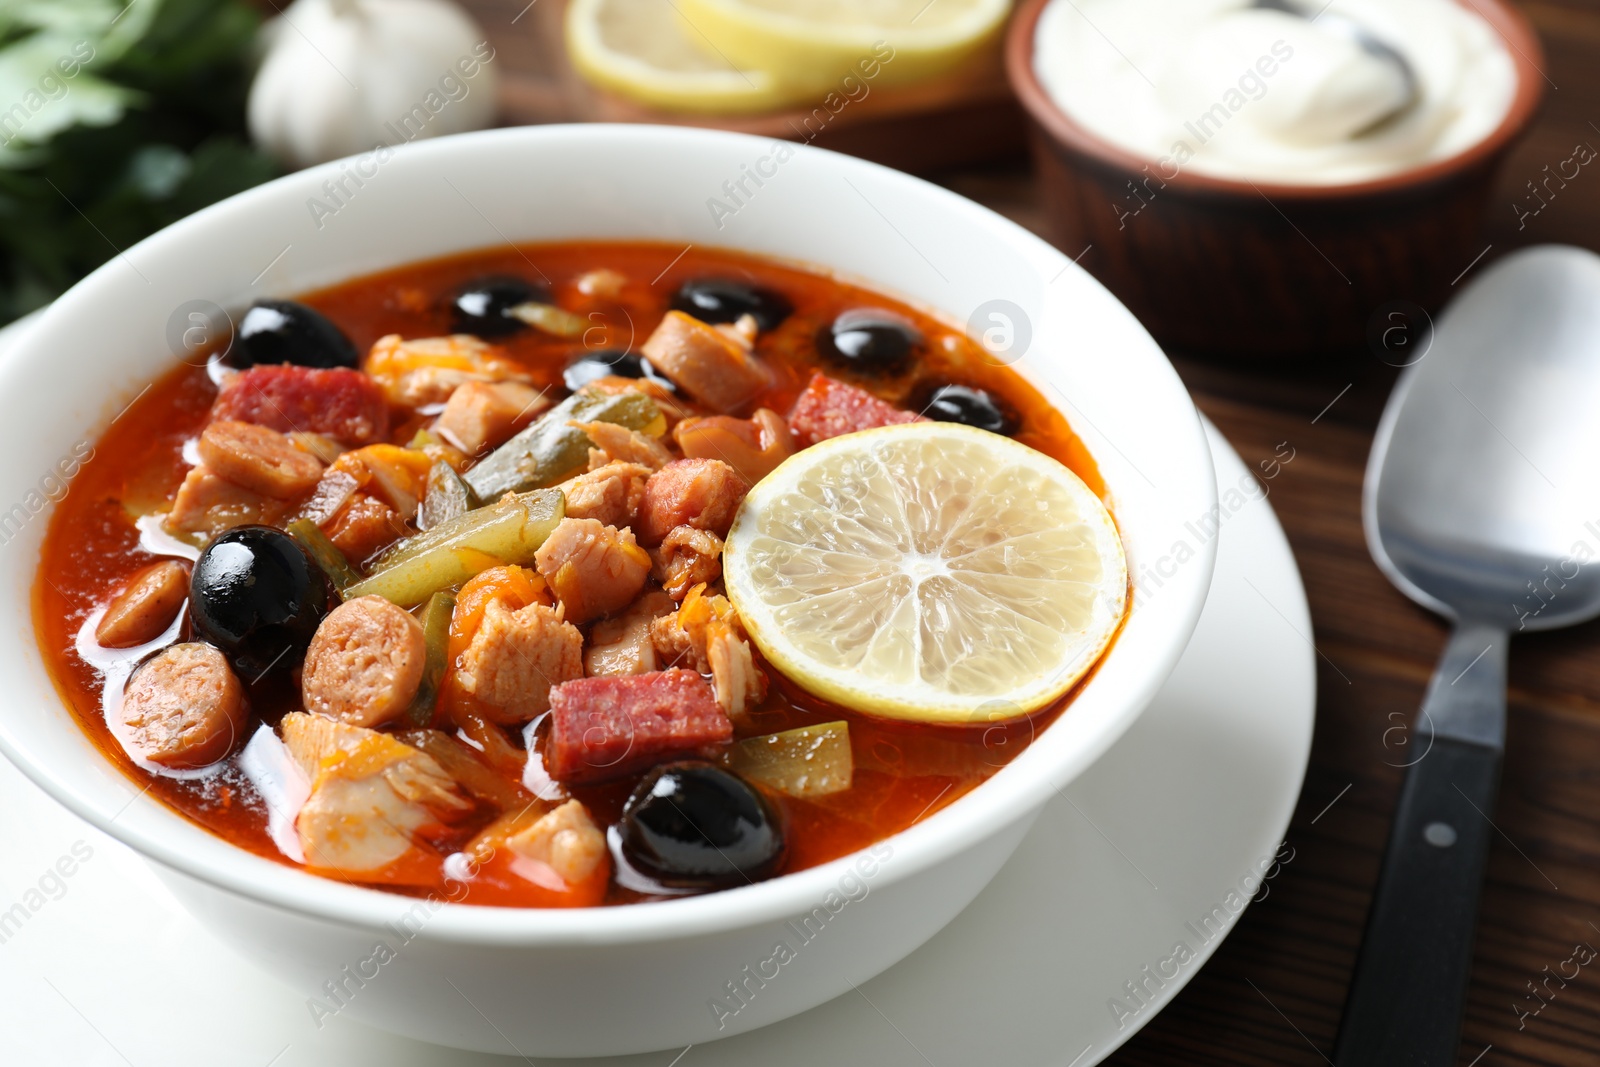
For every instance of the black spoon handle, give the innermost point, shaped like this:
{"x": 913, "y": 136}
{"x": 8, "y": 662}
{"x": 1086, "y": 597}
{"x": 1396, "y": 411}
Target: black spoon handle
{"x": 1409, "y": 990}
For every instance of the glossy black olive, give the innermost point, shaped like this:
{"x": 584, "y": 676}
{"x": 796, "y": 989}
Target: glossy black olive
{"x": 694, "y": 825}
{"x": 608, "y": 363}
{"x": 282, "y": 331}
{"x": 257, "y": 596}
{"x": 483, "y": 307}
{"x": 970, "y": 407}
{"x": 868, "y": 341}
{"x": 716, "y": 300}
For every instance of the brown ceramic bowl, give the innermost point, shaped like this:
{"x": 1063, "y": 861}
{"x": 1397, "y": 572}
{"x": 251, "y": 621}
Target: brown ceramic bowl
{"x": 1229, "y": 267}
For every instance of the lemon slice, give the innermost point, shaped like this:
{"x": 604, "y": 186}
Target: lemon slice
{"x": 818, "y": 43}
{"x": 643, "y": 50}
{"x": 928, "y": 571}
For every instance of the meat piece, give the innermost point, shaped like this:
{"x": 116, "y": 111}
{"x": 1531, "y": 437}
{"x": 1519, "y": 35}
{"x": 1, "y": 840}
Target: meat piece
{"x": 364, "y": 527}
{"x": 829, "y": 408}
{"x": 625, "y": 645}
{"x": 703, "y": 493}
{"x": 593, "y": 569}
{"x": 753, "y": 446}
{"x": 183, "y": 708}
{"x": 426, "y": 370}
{"x": 481, "y": 415}
{"x": 516, "y": 656}
{"x": 364, "y": 663}
{"x": 208, "y": 504}
{"x": 705, "y": 634}
{"x": 146, "y": 607}
{"x": 622, "y": 445}
{"x": 370, "y": 794}
{"x": 341, "y": 403}
{"x": 687, "y": 557}
{"x": 565, "y": 840}
{"x": 608, "y": 494}
{"x": 604, "y": 283}
{"x": 607, "y": 727}
{"x": 713, "y": 366}
{"x": 259, "y": 458}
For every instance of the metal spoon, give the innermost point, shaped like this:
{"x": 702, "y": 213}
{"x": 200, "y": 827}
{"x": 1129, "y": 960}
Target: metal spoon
{"x": 1364, "y": 39}
{"x": 1482, "y": 503}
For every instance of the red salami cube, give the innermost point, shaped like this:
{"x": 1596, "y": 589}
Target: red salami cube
{"x": 340, "y": 402}
{"x": 830, "y": 408}
{"x": 607, "y": 727}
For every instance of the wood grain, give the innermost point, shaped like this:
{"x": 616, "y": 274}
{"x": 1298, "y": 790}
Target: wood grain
{"x": 1272, "y": 995}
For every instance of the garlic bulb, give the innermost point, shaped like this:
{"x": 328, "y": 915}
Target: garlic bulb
{"x": 344, "y": 76}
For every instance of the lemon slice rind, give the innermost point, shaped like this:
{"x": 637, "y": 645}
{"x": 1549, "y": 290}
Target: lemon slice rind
{"x": 930, "y": 572}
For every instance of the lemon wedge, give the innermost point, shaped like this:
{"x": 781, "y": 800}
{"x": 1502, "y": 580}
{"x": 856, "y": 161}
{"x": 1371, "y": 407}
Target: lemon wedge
{"x": 927, "y": 571}
{"x": 817, "y": 43}
{"x": 643, "y": 50}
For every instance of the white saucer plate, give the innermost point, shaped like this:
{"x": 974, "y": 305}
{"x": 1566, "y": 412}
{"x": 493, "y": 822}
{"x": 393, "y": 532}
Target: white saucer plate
{"x": 1123, "y": 888}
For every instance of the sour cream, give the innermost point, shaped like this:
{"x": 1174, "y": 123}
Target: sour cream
{"x": 1221, "y": 88}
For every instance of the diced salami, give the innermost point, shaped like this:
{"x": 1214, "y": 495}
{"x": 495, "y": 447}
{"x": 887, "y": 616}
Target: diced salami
{"x": 830, "y": 408}
{"x": 341, "y": 403}
{"x": 610, "y": 726}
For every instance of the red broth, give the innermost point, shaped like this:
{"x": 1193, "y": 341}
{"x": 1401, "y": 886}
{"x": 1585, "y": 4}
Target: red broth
{"x": 904, "y": 771}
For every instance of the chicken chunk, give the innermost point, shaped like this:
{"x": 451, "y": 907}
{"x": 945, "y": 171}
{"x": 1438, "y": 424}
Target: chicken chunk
{"x": 609, "y": 494}
{"x": 259, "y": 458}
{"x": 713, "y": 366}
{"x": 687, "y": 557}
{"x": 566, "y": 840}
{"x": 625, "y": 645}
{"x": 184, "y": 708}
{"x": 705, "y": 635}
{"x": 207, "y": 504}
{"x": 622, "y": 445}
{"x": 370, "y": 793}
{"x": 593, "y": 569}
{"x": 146, "y": 607}
{"x": 426, "y": 370}
{"x": 364, "y": 663}
{"x": 603, "y": 728}
{"x": 480, "y": 415}
{"x": 516, "y": 656}
{"x": 702, "y": 493}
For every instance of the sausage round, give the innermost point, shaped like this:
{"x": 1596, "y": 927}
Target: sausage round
{"x": 183, "y": 708}
{"x": 365, "y": 663}
{"x": 144, "y": 610}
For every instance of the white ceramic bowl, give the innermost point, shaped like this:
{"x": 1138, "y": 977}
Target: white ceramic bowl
{"x": 650, "y": 976}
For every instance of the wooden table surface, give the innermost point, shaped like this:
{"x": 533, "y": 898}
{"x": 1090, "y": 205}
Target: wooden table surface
{"x": 1272, "y": 994}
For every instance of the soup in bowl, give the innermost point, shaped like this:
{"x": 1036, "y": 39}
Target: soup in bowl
{"x": 424, "y": 585}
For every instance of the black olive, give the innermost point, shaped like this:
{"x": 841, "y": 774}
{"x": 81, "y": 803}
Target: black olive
{"x": 716, "y": 300}
{"x": 970, "y": 407}
{"x": 692, "y": 824}
{"x": 282, "y": 331}
{"x": 483, "y": 307}
{"x": 869, "y": 341}
{"x": 257, "y": 596}
{"x": 609, "y": 363}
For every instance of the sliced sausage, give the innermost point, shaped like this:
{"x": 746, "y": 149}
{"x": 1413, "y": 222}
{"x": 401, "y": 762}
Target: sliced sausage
{"x": 703, "y": 493}
{"x": 481, "y": 415}
{"x": 341, "y": 403}
{"x": 713, "y": 366}
{"x": 183, "y": 708}
{"x": 830, "y": 408}
{"x": 259, "y": 458}
{"x": 144, "y": 610}
{"x": 365, "y": 663}
{"x": 606, "y": 727}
